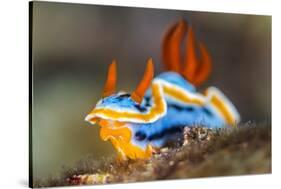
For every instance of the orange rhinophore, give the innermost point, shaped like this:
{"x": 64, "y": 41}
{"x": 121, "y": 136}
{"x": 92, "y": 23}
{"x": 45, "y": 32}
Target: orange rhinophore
{"x": 138, "y": 94}
{"x": 195, "y": 70}
{"x": 110, "y": 85}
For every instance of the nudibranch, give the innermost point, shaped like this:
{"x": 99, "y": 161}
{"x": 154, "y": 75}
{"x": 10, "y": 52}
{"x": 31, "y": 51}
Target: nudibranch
{"x": 156, "y": 112}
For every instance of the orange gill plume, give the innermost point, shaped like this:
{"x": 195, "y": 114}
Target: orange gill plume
{"x": 138, "y": 94}
{"x": 193, "y": 69}
{"x": 171, "y": 46}
{"x": 110, "y": 85}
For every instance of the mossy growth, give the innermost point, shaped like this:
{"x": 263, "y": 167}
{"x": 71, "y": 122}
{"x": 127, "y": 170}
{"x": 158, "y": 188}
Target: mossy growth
{"x": 202, "y": 153}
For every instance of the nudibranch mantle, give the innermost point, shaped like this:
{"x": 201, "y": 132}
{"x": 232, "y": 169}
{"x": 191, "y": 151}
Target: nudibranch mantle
{"x": 159, "y": 108}
{"x": 121, "y": 109}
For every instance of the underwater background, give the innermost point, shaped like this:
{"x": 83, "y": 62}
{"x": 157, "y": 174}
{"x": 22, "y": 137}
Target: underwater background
{"x": 73, "y": 44}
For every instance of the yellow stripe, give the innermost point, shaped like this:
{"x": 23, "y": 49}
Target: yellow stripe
{"x": 218, "y": 103}
{"x": 215, "y": 100}
{"x": 181, "y": 96}
{"x": 156, "y": 109}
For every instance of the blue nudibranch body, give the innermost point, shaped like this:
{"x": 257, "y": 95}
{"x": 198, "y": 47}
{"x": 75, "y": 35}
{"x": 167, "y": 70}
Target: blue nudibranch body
{"x": 158, "y": 110}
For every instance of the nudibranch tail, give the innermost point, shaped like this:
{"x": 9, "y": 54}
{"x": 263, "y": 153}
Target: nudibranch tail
{"x": 223, "y": 106}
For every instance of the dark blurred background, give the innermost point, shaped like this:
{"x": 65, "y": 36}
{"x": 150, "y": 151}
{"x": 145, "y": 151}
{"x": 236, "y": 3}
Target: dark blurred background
{"x": 73, "y": 44}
